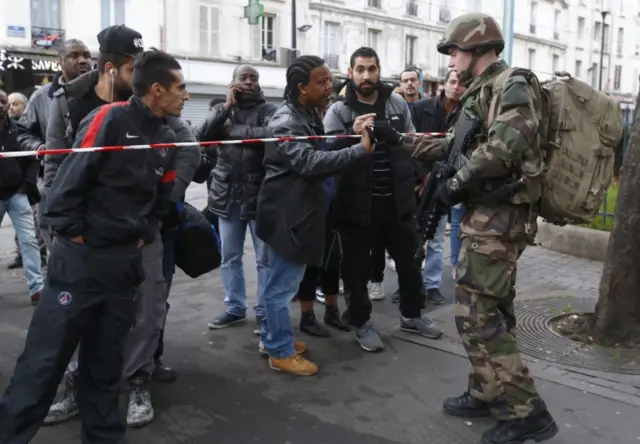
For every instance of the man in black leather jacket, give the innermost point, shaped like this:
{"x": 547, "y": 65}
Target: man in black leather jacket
{"x": 293, "y": 202}
{"x": 235, "y": 182}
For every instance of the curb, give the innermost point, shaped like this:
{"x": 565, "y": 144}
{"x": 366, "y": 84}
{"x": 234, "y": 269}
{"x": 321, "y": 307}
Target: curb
{"x": 574, "y": 240}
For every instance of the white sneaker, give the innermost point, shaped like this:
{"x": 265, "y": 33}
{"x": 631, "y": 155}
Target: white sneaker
{"x": 140, "y": 412}
{"x": 320, "y": 296}
{"x": 391, "y": 264}
{"x": 377, "y": 292}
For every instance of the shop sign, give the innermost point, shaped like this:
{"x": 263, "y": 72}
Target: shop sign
{"x": 12, "y": 62}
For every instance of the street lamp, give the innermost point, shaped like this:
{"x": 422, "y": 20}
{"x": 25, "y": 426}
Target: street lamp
{"x": 604, "y": 16}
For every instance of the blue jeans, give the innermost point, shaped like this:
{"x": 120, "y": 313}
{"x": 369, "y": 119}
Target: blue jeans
{"x": 21, "y": 215}
{"x": 456, "y": 216}
{"x": 276, "y": 330}
{"x": 232, "y": 235}
{"x": 434, "y": 262}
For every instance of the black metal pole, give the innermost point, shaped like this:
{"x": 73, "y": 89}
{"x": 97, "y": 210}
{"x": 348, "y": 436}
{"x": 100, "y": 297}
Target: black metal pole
{"x": 294, "y": 26}
{"x": 604, "y": 16}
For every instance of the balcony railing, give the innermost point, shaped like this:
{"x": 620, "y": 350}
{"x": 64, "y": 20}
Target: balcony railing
{"x": 47, "y": 38}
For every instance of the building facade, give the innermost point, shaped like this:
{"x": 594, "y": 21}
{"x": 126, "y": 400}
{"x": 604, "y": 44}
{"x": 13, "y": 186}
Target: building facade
{"x": 211, "y": 37}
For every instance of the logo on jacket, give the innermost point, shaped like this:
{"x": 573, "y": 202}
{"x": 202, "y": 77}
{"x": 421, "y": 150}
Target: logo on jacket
{"x": 160, "y": 171}
{"x": 64, "y": 298}
{"x": 163, "y": 152}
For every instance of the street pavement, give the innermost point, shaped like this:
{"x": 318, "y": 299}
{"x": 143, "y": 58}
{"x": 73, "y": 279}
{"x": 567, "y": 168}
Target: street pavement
{"x": 227, "y": 394}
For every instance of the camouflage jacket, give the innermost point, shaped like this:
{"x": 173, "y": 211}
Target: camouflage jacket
{"x": 507, "y": 149}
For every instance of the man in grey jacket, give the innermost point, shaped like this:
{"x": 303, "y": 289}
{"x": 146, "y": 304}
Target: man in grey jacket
{"x": 32, "y": 126}
{"x": 376, "y": 201}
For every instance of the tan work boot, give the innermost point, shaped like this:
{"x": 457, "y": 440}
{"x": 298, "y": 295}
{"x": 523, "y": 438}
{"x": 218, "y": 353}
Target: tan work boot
{"x": 299, "y": 346}
{"x": 294, "y": 365}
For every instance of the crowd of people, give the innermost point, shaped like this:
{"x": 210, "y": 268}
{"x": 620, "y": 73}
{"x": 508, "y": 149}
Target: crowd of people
{"x": 319, "y": 212}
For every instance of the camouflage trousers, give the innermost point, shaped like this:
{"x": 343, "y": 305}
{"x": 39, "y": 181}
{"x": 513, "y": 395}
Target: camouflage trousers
{"x": 485, "y": 319}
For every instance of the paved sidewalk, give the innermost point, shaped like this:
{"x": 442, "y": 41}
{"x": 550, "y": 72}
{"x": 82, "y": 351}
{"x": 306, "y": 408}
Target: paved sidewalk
{"x": 226, "y": 394}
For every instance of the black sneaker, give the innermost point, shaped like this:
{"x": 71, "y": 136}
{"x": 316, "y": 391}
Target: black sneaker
{"x": 162, "y": 373}
{"x": 15, "y": 263}
{"x": 226, "y": 320}
{"x": 534, "y": 428}
{"x": 310, "y": 325}
{"x": 434, "y": 296}
{"x": 332, "y": 318}
{"x": 466, "y": 406}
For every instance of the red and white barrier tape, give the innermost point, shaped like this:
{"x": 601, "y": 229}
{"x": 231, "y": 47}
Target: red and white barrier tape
{"x": 188, "y": 144}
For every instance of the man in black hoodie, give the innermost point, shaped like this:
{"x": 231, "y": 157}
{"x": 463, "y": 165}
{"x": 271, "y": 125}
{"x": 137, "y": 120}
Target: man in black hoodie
{"x": 236, "y": 180}
{"x": 377, "y": 201}
{"x": 18, "y": 191}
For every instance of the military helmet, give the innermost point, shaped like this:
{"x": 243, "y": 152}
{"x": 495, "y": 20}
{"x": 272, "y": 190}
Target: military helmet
{"x": 472, "y": 31}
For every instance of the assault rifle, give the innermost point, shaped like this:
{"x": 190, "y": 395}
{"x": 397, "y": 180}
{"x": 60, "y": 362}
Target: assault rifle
{"x": 430, "y": 209}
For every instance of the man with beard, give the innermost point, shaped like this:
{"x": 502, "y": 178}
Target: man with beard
{"x": 236, "y": 180}
{"x": 408, "y": 89}
{"x": 74, "y": 61}
{"x": 72, "y": 103}
{"x": 103, "y": 208}
{"x": 377, "y": 201}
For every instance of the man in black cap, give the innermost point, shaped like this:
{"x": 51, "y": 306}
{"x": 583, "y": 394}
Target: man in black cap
{"x": 111, "y": 82}
{"x": 103, "y": 207}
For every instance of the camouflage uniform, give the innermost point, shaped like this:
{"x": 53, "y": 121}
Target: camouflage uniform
{"x": 493, "y": 235}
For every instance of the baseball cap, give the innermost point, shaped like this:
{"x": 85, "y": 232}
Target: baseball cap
{"x": 120, "y": 40}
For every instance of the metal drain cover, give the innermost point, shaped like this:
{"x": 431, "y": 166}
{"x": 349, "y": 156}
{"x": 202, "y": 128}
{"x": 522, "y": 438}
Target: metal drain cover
{"x": 537, "y": 339}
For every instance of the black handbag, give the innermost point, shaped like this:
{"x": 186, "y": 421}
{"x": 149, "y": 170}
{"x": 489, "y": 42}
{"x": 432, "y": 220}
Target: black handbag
{"x": 197, "y": 243}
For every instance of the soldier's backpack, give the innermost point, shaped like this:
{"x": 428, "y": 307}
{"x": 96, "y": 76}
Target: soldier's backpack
{"x": 579, "y": 131}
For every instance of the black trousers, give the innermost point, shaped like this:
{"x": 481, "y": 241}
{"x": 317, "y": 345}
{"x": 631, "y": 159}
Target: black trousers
{"x": 400, "y": 239}
{"x": 378, "y": 260}
{"x": 327, "y": 276}
{"x": 88, "y": 299}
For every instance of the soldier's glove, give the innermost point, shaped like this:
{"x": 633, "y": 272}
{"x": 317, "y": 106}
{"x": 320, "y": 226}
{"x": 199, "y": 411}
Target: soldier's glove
{"x": 384, "y": 132}
{"x": 449, "y": 193}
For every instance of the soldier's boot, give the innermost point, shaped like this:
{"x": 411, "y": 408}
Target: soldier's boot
{"x": 466, "y": 406}
{"x": 536, "y": 428}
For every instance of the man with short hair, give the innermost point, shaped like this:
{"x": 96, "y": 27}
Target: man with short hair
{"x": 18, "y": 192}
{"x": 432, "y": 115}
{"x": 236, "y": 180}
{"x": 17, "y": 105}
{"x": 494, "y": 232}
{"x": 74, "y": 59}
{"x": 101, "y": 225}
{"x": 377, "y": 200}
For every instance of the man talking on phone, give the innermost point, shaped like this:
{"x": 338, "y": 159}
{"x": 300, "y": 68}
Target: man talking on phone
{"x": 236, "y": 180}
